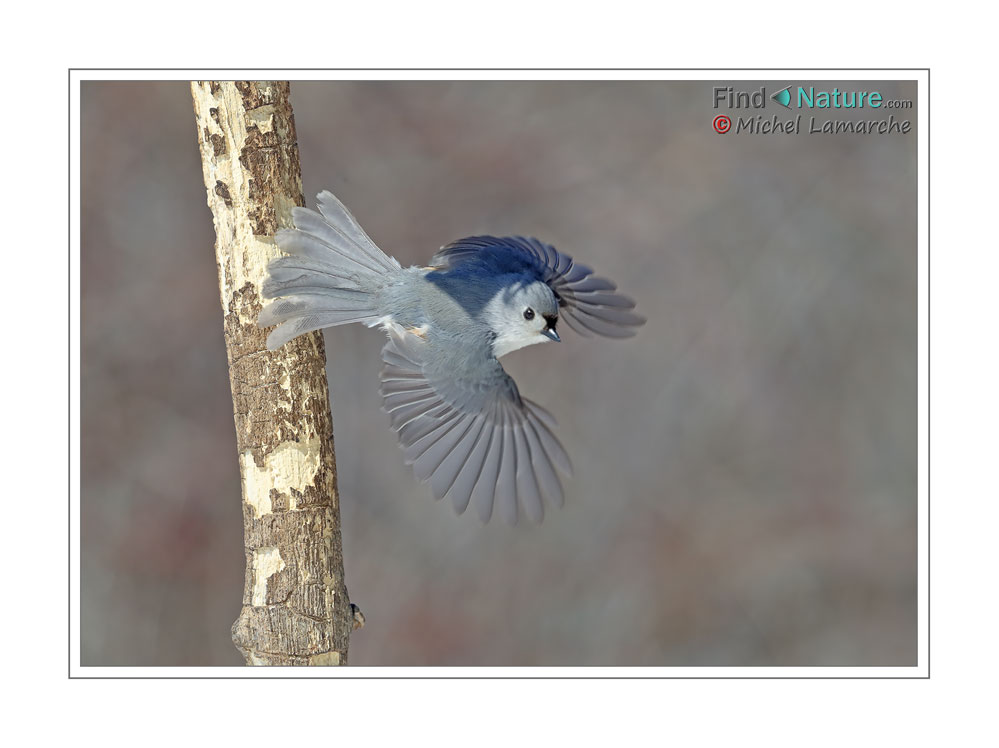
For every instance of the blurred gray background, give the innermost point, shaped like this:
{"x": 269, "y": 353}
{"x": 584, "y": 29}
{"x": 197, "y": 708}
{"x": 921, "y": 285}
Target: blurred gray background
{"x": 745, "y": 485}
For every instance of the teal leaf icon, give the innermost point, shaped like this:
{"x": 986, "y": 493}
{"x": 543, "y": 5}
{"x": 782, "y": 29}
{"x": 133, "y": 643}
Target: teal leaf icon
{"x": 782, "y": 97}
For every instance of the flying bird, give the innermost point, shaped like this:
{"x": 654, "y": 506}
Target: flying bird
{"x": 460, "y": 418}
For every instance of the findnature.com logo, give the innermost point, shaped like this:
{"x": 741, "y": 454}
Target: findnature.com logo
{"x": 808, "y": 98}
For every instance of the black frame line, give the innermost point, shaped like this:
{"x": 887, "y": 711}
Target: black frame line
{"x": 69, "y": 400}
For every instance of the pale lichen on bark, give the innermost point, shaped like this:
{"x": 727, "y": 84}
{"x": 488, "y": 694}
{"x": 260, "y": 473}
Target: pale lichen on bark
{"x": 295, "y": 606}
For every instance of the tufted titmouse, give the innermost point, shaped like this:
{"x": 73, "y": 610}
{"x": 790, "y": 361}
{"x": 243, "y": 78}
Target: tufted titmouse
{"x": 459, "y": 416}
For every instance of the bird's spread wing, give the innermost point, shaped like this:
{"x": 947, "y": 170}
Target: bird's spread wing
{"x": 588, "y": 304}
{"x": 472, "y": 435}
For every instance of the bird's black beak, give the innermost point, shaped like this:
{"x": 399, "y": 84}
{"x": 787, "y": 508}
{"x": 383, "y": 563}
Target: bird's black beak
{"x": 549, "y": 331}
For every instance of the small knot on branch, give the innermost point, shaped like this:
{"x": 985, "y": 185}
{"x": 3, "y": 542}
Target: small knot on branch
{"x": 358, "y": 617}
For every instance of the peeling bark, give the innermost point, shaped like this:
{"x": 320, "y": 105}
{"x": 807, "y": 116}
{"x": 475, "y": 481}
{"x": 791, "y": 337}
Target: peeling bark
{"x": 295, "y": 605}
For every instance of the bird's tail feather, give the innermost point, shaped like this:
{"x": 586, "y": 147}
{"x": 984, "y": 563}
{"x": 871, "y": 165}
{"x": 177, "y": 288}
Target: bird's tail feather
{"x": 332, "y": 277}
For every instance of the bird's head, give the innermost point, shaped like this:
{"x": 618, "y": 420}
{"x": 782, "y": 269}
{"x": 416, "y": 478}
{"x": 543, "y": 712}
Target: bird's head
{"x": 522, "y": 314}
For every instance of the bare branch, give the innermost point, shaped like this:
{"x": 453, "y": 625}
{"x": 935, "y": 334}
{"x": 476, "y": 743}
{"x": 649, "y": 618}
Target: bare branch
{"x": 295, "y": 606}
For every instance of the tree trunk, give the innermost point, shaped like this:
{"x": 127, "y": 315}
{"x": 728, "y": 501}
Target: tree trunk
{"x": 295, "y": 606}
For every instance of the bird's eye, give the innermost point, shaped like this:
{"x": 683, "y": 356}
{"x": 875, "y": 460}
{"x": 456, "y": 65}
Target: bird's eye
{"x": 528, "y": 313}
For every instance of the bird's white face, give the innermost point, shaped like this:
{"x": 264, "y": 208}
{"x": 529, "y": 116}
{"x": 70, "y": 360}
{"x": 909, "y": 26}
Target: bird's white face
{"x": 522, "y": 317}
